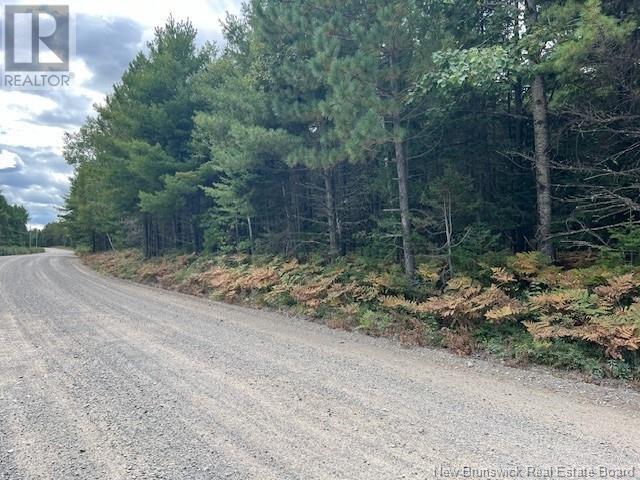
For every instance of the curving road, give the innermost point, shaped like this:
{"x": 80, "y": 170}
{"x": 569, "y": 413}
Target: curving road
{"x": 103, "y": 379}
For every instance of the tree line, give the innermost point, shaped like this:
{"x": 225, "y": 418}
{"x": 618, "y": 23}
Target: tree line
{"x": 13, "y": 224}
{"x": 406, "y": 130}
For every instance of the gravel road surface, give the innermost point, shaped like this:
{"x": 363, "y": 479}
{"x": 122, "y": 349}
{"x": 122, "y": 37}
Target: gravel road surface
{"x": 103, "y": 379}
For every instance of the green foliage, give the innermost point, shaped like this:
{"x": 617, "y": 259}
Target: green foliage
{"x": 54, "y": 234}
{"x": 372, "y": 322}
{"x": 7, "y": 251}
{"x": 13, "y": 224}
{"x": 129, "y": 161}
{"x": 288, "y": 140}
{"x": 590, "y": 30}
{"x": 353, "y": 135}
{"x": 487, "y": 69}
{"x": 626, "y": 244}
{"x": 513, "y": 343}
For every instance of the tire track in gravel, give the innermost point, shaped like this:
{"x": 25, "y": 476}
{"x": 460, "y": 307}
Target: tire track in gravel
{"x": 62, "y": 407}
{"x": 58, "y": 419}
{"x": 162, "y": 385}
{"x": 587, "y": 423}
{"x": 266, "y": 428}
{"x": 540, "y": 410}
{"x": 113, "y": 370}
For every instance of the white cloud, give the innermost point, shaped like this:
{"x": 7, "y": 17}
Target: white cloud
{"x": 19, "y": 105}
{"x": 61, "y": 178}
{"x": 17, "y": 128}
{"x": 9, "y": 160}
{"x": 205, "y": 14}
{"x": 35, "y": 122}
{"x": 82, "y": 75}
{"x": 26, "y": 134}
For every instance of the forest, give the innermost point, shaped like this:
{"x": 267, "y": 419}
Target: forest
{"x": 13, "y": 223}
{"x": 14, "y": 235}
{"x": 483, "y": 155}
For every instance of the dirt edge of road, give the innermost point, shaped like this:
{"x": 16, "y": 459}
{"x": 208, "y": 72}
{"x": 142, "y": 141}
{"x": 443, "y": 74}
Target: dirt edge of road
{"x": 108, "y": 379}
{"x": 621, "y": 392}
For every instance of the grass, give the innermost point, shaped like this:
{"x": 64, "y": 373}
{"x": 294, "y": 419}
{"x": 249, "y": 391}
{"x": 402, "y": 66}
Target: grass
{"x": 7, "y": 251}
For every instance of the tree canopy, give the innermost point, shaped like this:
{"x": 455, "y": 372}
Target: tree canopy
{"x": 13, "y": 224}
{"x": 406, "y": 130}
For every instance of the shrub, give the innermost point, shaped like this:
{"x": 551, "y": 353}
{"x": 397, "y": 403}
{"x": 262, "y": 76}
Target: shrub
{"x": 8, "y": 251}
{"x": 373, "y": 322}
{"x": 526, "y": 310}
{"x": 460, "y": 341}
{"x": 608, "y": 316}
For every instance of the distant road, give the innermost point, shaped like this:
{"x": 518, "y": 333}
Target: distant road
{"x": 102, "y": 379}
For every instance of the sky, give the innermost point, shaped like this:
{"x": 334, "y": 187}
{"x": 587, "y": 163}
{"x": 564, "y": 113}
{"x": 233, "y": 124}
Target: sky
{"x": 108, "y": 34}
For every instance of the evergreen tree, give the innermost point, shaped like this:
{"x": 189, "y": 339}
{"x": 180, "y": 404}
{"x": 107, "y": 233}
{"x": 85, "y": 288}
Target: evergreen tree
{"x": 300, "y": 93}
{"x": 374, "y": 52}
{"x": 242, "y": 149}
{"x": 13, "y": 224}
{"x": 139, "y": 143}
{"x": 320, "y": 123}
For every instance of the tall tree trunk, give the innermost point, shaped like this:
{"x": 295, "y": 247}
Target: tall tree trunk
{"x": 194, "y": 218}
{"x": 448, "y": 227}
{"x": 518, "y": 110}
{"x": 174, "y": 231}
{"x": 156, "y": 238}
{"x": 331, "y": 213}
{"x": 251, "y": 241}
{"x": 147, "y": 235}
{"x": 542, "y": 151}
{"x": 543, "y": 168}
{"x": 403, "y": 196}
{"x": 236, "y": 229}
{"x": 195, "y": 237}
{"x": 340, "y": 190}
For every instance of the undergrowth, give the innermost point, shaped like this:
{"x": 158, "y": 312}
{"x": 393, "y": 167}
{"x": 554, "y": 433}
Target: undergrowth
{"x": 7, "y": 251}
{"x": 526, "y": 311}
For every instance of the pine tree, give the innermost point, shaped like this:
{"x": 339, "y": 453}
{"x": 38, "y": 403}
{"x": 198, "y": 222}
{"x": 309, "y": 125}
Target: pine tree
{"x": 141, "y": 139}
{"x": 301, "y": 91}
{"x": 13, "y": 223}
{"x": 242, "y": 147}
{"x": 311, "y": 130}
{"x": 372, "y": 50}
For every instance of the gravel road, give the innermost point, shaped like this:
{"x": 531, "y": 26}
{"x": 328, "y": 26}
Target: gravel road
{"x": 103, "y": 379}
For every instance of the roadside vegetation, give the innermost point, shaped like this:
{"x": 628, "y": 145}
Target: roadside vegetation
{"x": 452, "y": 172}
{"x": 14, "y": 236}
{"x": 524, "y": 312}
{"x": 13, "y": 223}
{"x": 6, "y": 251}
